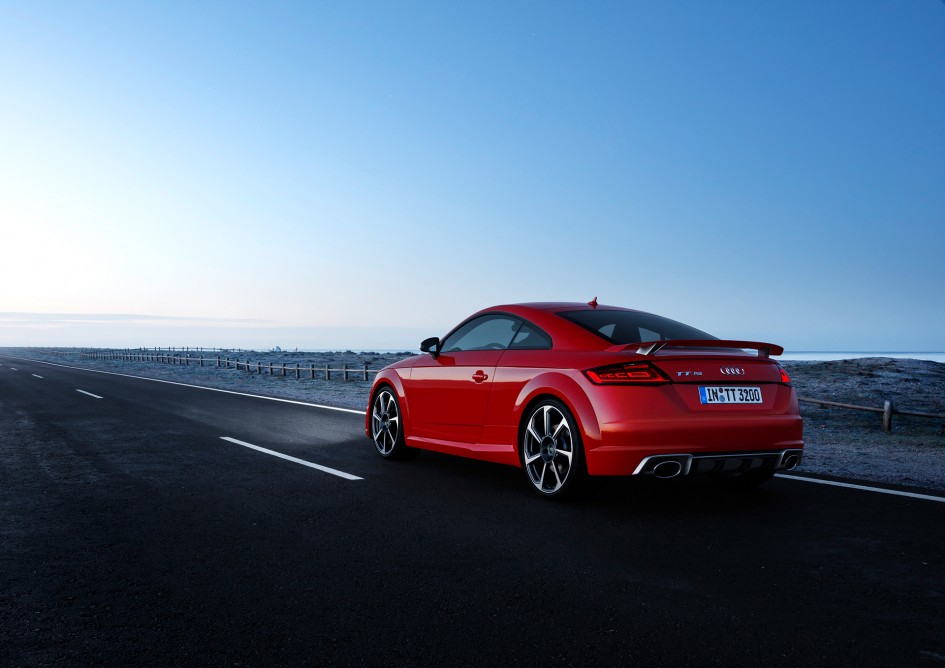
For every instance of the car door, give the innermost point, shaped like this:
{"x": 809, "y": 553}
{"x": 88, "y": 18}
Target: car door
{"x": 448, "y": 393}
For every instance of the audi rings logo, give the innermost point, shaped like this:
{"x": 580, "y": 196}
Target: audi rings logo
{"x": 732, "y": 371}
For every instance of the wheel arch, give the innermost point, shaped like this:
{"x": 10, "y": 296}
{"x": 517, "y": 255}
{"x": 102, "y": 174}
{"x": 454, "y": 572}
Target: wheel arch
{"x": 566, "y": 390}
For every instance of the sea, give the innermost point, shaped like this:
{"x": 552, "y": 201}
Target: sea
{"x": 826, "y": 356}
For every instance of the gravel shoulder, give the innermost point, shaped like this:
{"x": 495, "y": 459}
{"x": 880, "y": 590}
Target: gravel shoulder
{"x": 839, "y": 442}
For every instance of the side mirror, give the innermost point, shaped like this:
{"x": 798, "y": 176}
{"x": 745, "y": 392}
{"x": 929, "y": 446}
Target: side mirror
{"x": 431, "y": 345}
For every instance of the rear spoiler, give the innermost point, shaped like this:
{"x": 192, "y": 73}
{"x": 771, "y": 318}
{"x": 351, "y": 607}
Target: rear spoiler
{"x": 650, "y": 347}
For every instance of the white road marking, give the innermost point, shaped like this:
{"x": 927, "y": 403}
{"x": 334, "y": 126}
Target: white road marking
{"x": 325, "y": 469}
{"x": 201, "y": 387}
{"x": 89, "y": 393}
{"x": 865, "y": 488}
{"x": 36, "y": 376}
{"x": 13, "y": 368}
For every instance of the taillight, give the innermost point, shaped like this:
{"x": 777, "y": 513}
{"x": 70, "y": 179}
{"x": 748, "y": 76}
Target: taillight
{"x": 785, "y": 378}
{"x": 627, "y": 374}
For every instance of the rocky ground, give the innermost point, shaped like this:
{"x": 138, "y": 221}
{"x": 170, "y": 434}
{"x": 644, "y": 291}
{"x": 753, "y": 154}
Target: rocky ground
{"x": 850, "y": 443}
{"x": 839, "y": 441}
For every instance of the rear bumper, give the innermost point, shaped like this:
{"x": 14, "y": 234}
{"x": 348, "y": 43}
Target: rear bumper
{"x": 671, "y": 466}
{"x": 624, "y": 446}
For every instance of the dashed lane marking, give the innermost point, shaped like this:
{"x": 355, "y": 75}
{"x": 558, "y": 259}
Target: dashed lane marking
{"x": 865, "y": 488}
{"x": 324, "y": 469}
{"x": 36, "y": 376}
{"x": 89, "y": 393}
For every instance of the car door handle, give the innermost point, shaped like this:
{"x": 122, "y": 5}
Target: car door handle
{"x": 479, "y": 376}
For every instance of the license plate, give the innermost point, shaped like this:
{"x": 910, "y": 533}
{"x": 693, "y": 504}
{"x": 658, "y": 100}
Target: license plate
{"x": 730, "y": 395}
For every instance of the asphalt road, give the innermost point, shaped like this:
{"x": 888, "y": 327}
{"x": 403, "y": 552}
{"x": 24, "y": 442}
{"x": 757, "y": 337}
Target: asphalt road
{"x": 131, "y": 532}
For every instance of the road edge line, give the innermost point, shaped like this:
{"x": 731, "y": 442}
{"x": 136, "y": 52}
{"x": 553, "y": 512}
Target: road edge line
{"x": 865, "y": 488}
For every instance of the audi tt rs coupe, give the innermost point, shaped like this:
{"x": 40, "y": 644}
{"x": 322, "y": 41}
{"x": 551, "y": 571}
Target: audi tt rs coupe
{"x": 570, "y": 390}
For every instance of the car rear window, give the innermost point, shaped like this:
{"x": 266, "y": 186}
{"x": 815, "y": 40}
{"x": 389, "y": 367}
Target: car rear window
{"x": 625, "y": 327}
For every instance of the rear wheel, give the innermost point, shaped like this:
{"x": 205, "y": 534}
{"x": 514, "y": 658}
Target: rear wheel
{"x": 386, "y": 425}
{"x": 550, "y": 449}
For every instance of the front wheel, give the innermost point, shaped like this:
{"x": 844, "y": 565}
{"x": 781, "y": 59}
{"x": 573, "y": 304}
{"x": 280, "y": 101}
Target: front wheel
{"x": 387, "y": 429}
{"x": 550, "y": 449}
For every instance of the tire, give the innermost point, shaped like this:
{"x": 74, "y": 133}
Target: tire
{"x": 550, "y": 450}
{"x": 387, "y": 430}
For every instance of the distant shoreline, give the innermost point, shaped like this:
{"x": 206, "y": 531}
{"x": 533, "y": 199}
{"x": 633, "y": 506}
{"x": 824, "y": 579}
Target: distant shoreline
{"x": 831, "y": 356}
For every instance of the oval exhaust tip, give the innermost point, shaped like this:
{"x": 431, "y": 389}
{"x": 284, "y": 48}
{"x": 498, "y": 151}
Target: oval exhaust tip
{"x": 790, "y": 462}
{"x": 668, "y": 469}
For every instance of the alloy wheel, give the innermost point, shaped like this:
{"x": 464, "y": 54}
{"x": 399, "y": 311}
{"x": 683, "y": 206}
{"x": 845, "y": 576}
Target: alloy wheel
{"x": 548, "y": 449}
{"x": 385, "y": 422}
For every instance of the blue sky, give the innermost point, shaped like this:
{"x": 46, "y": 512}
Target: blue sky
{"x": 313, "y": 174}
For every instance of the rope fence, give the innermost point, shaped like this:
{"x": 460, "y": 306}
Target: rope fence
{"x": 274, "y": 369}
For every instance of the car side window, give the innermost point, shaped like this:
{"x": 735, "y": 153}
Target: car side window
{"x": 488, "y": 332}
{"x": 530, "y": 337}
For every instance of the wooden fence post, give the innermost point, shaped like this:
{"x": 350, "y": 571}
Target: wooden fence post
{"x": 297, "y": 376}
{"x": 327, "y": 371}
{"x": 365, "y": 371}
{"x": 887, "y": 416}
{"x": 311, "y": 370}
{"x": 344, "y": 372}
{"x": 270, "y": 368}
{"x": 283, "y": 369}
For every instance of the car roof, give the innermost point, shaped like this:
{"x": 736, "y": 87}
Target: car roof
{"x": 566, "y": 334}
{"x": 554, "y": 307}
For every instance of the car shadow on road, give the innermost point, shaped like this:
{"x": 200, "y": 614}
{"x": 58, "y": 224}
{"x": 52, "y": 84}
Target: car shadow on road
{"x": 450, "y": 475}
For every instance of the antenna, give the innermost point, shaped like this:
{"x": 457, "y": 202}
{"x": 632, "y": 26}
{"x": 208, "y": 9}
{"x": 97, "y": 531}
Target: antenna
{"x": 593, "y": 303}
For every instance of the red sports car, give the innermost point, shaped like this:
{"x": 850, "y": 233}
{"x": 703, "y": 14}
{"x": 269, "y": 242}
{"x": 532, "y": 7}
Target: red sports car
{"x": 567, "y": 390}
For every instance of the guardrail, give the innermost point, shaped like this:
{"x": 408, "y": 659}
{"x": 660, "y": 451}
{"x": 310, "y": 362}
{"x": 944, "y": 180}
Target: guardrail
{"x": 888, "y": 410}
{"x": 284, "y": 369}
